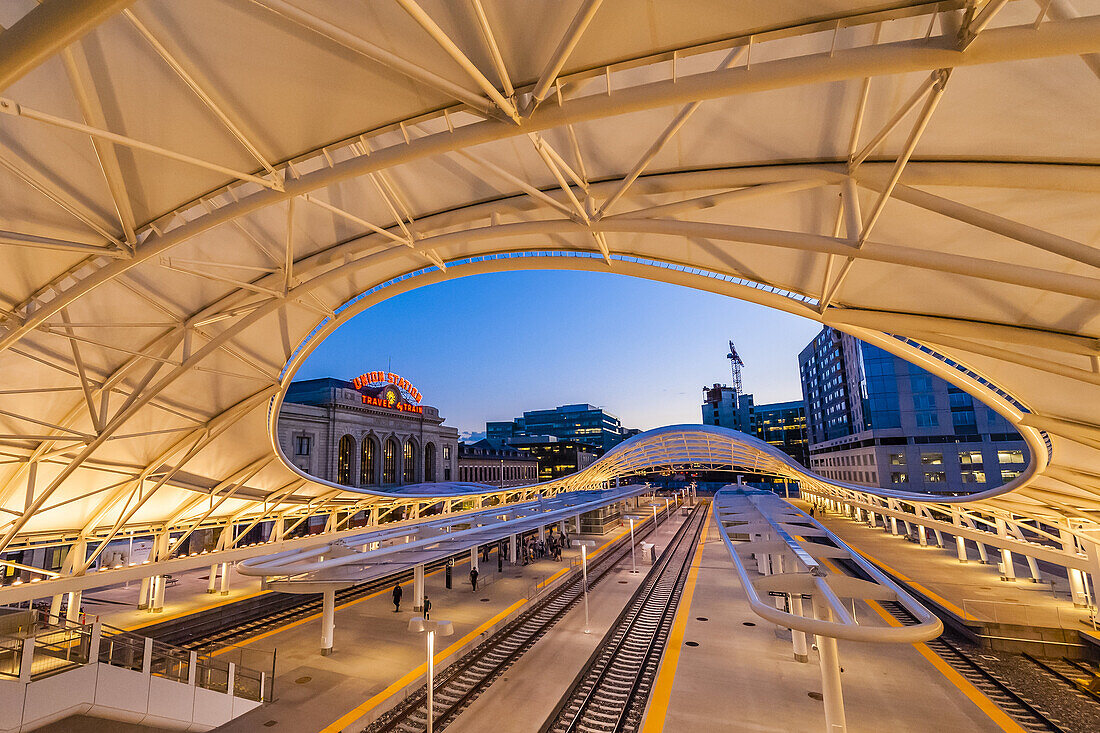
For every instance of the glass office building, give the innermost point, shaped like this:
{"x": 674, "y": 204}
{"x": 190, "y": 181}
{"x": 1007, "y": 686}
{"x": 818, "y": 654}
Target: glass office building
{"x": 875, "y": 419}
{"x": 582, "y": 423}
{"x": 782, "y": 424}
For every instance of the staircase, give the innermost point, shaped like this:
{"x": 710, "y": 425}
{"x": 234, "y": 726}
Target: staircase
{"x": 51, "y": 669}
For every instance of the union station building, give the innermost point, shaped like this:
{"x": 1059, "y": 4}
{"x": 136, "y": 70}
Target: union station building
{"x": 375, "y": 434}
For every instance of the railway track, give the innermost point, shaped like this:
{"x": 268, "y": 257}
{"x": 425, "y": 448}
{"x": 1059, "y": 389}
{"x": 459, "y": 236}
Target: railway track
{"x": 1068, "y": 673}
{"x": 462, "y": 682}
{"x": 611, "y": 692}
{"x": 208, "y": 631}
{"x": 1027, "y": 713}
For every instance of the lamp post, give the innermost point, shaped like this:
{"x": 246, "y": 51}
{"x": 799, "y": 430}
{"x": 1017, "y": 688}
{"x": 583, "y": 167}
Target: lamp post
{"x": 585, "y": 544}
{"x": 633, "y": 562}
{"x": 654, "y": 515}
{"x": 419, "y": 624}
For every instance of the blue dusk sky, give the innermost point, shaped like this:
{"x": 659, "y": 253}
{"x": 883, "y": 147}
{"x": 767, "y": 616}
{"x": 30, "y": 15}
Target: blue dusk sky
{"x": 488, "y": 347}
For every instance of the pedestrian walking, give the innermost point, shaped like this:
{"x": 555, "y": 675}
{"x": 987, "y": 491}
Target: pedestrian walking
{"x": 397, "y": 598}
{"x": 427, "y": 607}
{"x": 473, "y": 579}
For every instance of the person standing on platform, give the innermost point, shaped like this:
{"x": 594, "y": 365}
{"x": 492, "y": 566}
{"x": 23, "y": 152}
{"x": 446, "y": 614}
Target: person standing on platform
{"x": 473, "y": 579}
{"x": 397, "y": 598}
{"x": 427, "y": 607}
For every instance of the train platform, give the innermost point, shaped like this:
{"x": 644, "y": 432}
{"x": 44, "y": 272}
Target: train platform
{"x": 1006, "y": 615}
{"x": 725, "y": 668}
{"x": 375, "y": 659}
{"x": 535, "y": 683}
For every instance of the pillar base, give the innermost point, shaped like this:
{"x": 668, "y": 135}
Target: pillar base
{"x": 326, "y": 652}
{"x": 963, "y": 562}
{"x": 1034, "y": 580}
{"x": 801, "y": 657}
{"x": 143, "y": 606}
{"x": 211, "y": 592}
{"x": 1080, "y": 605}
{"x": 225, "y": 592}
{"x": 418, "y": 609}
{"x": 158, "y": 610}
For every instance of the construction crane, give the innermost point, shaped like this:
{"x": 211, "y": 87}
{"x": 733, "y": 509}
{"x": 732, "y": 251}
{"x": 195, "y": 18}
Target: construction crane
{"x": 735, "y": 369}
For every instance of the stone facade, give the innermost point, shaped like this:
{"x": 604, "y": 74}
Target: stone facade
{"x": 327, "y": 431}
{"x": 497, "y": 465}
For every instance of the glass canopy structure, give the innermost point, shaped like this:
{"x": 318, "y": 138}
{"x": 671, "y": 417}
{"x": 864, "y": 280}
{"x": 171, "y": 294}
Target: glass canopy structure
{"x": 193, "y": 196}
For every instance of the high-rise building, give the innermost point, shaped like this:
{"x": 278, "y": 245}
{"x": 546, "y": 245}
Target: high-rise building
{"x": 782, "y": 424}
{"x": 875, "y": 419}
{"x": 556, "y": 458}
{"x": 583, "y": 423}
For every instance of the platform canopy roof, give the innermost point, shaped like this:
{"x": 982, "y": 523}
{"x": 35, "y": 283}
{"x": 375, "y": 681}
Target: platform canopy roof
{"x": 194, "y": 194}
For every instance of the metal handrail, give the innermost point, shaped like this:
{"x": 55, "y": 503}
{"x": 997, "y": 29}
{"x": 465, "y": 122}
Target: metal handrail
{"x": 928, "y": 626}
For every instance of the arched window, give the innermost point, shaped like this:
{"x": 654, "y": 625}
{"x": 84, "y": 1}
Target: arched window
{"x": 389, "y": 463}
{"x": 366, "y": 465}
{"x": 429, "y": 462}
{"x": 409, "y": 474}
{"x": 343, "y": 460}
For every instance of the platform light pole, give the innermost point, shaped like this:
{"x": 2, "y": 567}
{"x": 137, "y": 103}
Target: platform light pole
{"x": 417, "y": 625}
{"x": 633, "y": 562}
{"x": 584, "y": 579}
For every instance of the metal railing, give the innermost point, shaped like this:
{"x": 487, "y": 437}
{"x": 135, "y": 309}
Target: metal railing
{"x": 52, "y": 645}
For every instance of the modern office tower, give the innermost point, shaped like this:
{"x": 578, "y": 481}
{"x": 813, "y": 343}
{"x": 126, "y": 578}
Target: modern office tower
{"x": 556, "y": 458}
{"x": 583, "y": 423}
{"x": 782, "y": 424}
{"x": 878, "y": 420}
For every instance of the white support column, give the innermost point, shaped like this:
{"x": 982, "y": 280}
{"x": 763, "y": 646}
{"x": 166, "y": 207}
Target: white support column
{"x": 798, "y": 638}
{"x": 143, "y": 593}
{"x": 873, "y": 519}
{"x": 513, "y": 549}
{"x": 1033, "y": 568}
{"x": 542, "y": 533}
{"x": 577, "y": 523}
{"x": 1008, "y": 570}
{"x": 159, "y": 582}
{"x": 893, "y": 525}
{"x": 225, "y": 578}
{"x": 72, "y": 613}
{"x": 922, "y": 535}
{"x": 473, "y": 559}
{"x": 212, "y": 583}
{"x": 418, "y": 588}
{"x": 55, "y": 608}
{"x": 1092, "y": 551}
{"x": 939, "y": 538}
{"x": 831, "y": 690}
{"x": 328, "y": 620}
{"x": 1076, "y": 577}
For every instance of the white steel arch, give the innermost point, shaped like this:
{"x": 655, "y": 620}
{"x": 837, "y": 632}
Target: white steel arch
{"x": 181, "y": 207}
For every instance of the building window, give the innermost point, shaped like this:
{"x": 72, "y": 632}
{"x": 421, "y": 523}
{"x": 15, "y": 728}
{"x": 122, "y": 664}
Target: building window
{"x": 343, "y": 460}
{"x": 1007, "y": 474}
{"x": 409, "y": 474}
{"x": 973, "y": 477}
{"x": 366, "y": 468}
{"x": 935, "y": 477}
{"x": 1010, "y": 456}
{"x": 927, "y": 420}
{"x": 301, "y": 445}
{"x": 931, "y": 459}
{"x": 429, "y": 462}
{"x": 446, "y": 452}
{"x": 970, "y": 457}
{"x": 389, "y": 462}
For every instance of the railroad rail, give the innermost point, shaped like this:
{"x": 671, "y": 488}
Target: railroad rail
{"x": 234, "y": 623}
{"x": 467, "y": 678}
{"x": 1070, "y": 673}
{"x": 611, "y": 691}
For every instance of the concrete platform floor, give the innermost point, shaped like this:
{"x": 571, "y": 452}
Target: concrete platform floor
{"x": 522, "y": 699}
{"x": 736, "y": 672}
{"x": 972, "y": 591}
{"x": 374, "y": 654}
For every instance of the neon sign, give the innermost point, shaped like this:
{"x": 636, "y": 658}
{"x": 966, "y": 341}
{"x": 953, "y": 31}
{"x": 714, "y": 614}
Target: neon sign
{"x": 376, "y": 379}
